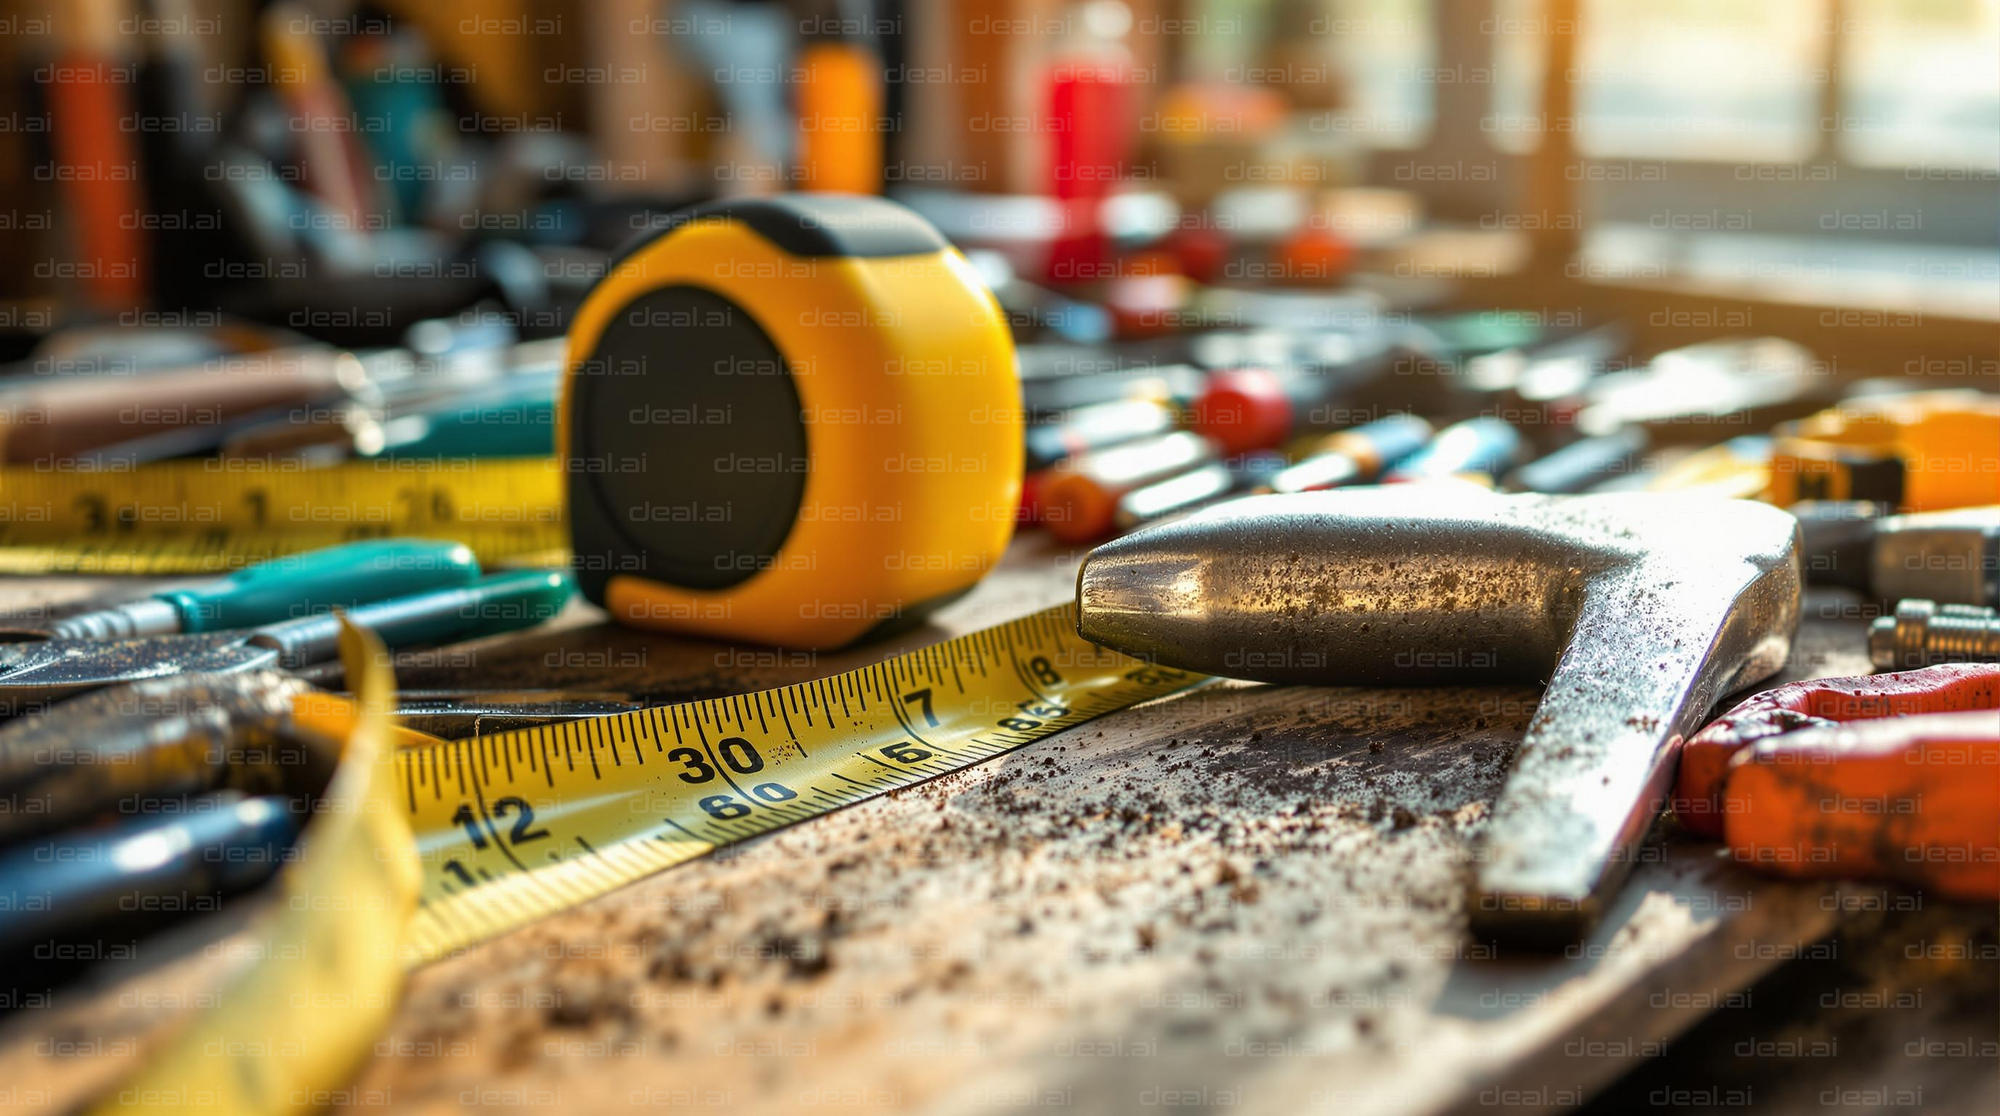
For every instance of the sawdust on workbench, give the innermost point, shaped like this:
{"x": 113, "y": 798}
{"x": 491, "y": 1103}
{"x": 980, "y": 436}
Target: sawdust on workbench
{"x": 1145, "y": 911}
{"x": 1218, "y": 869}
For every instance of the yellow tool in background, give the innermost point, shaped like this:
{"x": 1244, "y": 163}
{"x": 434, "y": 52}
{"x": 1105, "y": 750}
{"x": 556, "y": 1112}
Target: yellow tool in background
{"x": 1738, "y": 469}
{"x": 1922, "y": 451}
{"x": 792, "y": 420}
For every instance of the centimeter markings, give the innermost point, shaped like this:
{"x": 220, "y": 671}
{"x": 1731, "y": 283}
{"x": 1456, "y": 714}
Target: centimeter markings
{"x": 204, "y": 516}
{"x": 275, "y": 494}
{"x": 214, "y": 552}
{"x": 519, "y": 825}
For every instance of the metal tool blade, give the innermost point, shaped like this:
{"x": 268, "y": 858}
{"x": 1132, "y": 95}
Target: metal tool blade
{"x": 1638, "y": 612}
{"x": 33, "y": 675}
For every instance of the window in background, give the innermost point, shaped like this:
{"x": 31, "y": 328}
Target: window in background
{"x": 1387, "y": 49}
{"x": 1700, "y": 79}
{"x": 1515, "y": 118}
{"x": 1222, "y": 43}
{"x": 1920, "y": 83}
{"x": 1382, "y": 53}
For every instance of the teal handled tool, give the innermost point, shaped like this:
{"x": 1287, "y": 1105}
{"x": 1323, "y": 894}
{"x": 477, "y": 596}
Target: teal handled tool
{"x": 50, "y": 670}
{"x": 281, "y": 589}
{"x": 513, "y": 417}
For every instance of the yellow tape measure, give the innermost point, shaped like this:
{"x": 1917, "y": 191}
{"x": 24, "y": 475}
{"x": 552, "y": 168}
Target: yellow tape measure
{"x": 791, "y": 420}
{"x": 515, "y": 827}
{"x": 208, "y": 516}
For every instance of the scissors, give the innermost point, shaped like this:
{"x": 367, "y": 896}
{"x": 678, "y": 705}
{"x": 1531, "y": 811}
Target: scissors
{"x": 37, "y": 673}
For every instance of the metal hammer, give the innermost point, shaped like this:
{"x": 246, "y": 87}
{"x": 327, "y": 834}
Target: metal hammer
{"x": 1638, "y": 610}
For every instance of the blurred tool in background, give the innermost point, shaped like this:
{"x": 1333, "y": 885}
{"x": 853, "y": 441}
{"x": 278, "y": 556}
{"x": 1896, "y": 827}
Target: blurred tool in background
{"x": 839, "y": 101}
{"x": 1251, "y": 408}
{"x": 294, "y": 400}
{"x": 330, "y": 155}
{"x": 392, "y": 84}
{"x": 1479, "y": 449}
{"x": 96, "y": 157}
{"x": 129, "y": 876}
{"x": 1354, "y": 456}
{"x": 1541, "y": 382}
{"x": 1244, "y": 474}
{"x": 1713, "y": 390}
{"x": 1095, "y": 426}
{"x": 1582, "y": 465}
{"x": 1056, "y": 378}
{"x": 1920, "y": 451}
{"x": 1079, "y": 499}
{"x": 1952, "y": 557}
{"x": 1033, "y": 310}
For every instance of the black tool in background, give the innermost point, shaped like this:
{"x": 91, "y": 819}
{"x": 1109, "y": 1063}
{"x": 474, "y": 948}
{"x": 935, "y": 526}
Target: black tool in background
{"x": 132, "y": 876}
{"x": 1578, "y": 466}
{"x": 1950, "y": 557}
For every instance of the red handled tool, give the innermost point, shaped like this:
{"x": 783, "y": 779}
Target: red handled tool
{"x": 1889, "y": 775}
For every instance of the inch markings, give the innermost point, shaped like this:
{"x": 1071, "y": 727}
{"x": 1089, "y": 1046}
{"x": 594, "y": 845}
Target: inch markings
{"x": 502, "y": 846}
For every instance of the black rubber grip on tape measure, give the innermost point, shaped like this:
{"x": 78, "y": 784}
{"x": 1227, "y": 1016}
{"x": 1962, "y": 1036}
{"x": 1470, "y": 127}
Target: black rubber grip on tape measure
{"x": 810, "y": 226}
{"x": 688, "y": 452}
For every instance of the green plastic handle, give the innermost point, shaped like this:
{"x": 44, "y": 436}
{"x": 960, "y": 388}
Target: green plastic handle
{"x": 339, "y": 576}
{"x": 500, "y": 603}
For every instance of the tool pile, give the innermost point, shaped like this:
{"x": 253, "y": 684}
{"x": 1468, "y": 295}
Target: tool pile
{"x": 803, "y": 421}
{"x": 461, "y": 460}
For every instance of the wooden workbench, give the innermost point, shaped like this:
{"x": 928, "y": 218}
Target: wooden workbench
{"x": 1246, "y": 897}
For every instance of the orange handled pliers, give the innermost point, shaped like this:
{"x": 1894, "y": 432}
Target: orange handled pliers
{"x": 1892, "y": 776}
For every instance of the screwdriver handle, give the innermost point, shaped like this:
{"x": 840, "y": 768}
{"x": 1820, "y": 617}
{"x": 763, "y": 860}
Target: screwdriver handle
{"x": 100, "y": 879}
{"x": 1484, "y": 445}
{"x": 498, "y": 603}
{"x": 338, "y": 576}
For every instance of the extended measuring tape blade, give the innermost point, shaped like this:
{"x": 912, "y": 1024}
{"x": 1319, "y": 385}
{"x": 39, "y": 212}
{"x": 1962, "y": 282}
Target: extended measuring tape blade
{"x": 210, "y": 516}
{"x": 524, "y": 824}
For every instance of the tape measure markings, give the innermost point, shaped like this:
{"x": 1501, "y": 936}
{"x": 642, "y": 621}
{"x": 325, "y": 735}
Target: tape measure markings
{"x": 519, "y": 825}
{"x": 191, "y": 517}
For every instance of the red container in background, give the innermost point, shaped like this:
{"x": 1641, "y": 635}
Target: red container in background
{"x": 1091, "y": 118}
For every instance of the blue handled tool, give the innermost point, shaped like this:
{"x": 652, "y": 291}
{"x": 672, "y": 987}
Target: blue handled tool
{"x": 1484, "y": 446}
{"x": 150, "y": 868}
{"x": 283, "y": 588}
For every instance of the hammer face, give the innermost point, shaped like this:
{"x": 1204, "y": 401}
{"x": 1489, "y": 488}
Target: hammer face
{"x": 1639, "y": 611}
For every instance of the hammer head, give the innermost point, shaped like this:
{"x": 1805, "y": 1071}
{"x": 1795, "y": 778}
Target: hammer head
{"x": 1637, "y": 610}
